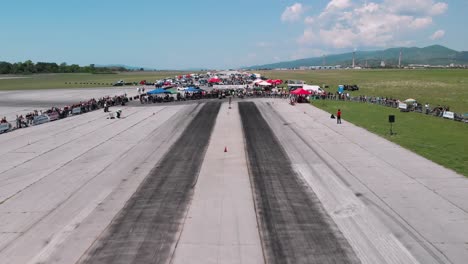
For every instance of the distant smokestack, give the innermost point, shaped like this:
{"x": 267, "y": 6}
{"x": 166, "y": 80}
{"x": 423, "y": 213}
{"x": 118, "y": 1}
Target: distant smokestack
{"x": 354, "y": 58}
{"x": 399, "y": 59}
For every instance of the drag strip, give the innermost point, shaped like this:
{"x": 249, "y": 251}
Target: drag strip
{"x": 145, "y": 230}
{"x": 294, "y": 227}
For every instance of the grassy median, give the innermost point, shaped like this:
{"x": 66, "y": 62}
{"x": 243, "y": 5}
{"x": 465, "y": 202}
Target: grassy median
{"x": 440, "y": 140}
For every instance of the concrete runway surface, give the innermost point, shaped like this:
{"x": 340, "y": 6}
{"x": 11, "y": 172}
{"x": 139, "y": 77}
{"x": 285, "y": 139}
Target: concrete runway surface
{"x": 24, "y": 101}
{"x": 158, "y": 187}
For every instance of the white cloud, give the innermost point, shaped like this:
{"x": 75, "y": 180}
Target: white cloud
{"x": 419, "y": 23}
{"x": 339, "y": 37}
{"x": 307, "y": 38}
{"x": 338, "y": 4}
{"x": 309, "y": 20}
{"x": 438, "y": 34}
{"x": 369, "y": 8}
{"x": 416, "y": 7}
{"x": 344, "y": 24}
{"x": 438, "y": 9}
{"x": 292, "y": 13}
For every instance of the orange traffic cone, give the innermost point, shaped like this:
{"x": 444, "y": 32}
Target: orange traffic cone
{"x": 225, "y": 149}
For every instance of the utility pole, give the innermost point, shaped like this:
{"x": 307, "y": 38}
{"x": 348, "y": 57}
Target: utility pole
{"x": 354, "y": 58}
{"x": 399, "y": 59}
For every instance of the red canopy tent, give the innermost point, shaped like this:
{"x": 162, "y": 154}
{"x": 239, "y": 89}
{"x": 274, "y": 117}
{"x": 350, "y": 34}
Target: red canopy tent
{"x": 300, "y": 91}
{"x": 214, "y": 80}
{"x": 274, "y": 82}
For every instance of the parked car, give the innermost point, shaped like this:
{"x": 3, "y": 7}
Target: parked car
{"x": 353, "y": 87}
{"x": 119, "y": 83}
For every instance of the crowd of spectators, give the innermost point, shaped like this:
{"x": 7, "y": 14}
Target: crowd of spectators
{"x": 55, "y": 113}
{"x": 414, "y": 106}
{"x": 213, "y": 94}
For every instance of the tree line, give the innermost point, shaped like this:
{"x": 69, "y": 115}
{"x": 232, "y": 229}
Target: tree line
{"x": 28, "y": 67}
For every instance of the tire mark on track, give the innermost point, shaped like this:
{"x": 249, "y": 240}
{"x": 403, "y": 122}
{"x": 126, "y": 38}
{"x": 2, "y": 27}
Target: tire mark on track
{"x": 145, "y": 230}
{"x": 294, "y": 226}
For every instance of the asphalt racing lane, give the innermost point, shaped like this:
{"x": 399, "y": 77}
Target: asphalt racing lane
{"x": 294, "y": 226}
{"x": 145, "y": 230}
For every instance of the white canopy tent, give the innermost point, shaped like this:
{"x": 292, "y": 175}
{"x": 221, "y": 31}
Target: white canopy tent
{"x": 264, "y": 83}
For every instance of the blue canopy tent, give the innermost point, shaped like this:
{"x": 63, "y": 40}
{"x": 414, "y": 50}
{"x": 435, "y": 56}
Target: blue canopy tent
{"x": 192, "y": 89}
{"x": 158, "y": 91}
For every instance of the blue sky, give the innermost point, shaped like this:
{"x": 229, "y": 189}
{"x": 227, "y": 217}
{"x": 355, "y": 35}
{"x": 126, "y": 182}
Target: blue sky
{"x": 180, "y": 34}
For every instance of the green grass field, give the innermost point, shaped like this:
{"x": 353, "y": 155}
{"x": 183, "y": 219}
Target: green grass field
{"x": 442, "y": 141}
{"x": 78, "y": 80}
{"x": 436, "y": 86}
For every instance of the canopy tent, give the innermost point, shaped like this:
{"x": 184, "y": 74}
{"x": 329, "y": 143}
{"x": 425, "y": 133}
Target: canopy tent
{"x": 264, "y": 83}
{"x": 158, "y": 91}
{"x": 172, "y": 91}
{"x": 410, "y": 101}
{"x": 192, "y": 89}
{"x": 300, "y": 91}
{"x": 274, "y": 82}
{"x": 214, "y": 80}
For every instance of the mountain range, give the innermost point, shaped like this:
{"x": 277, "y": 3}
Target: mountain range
{"x": 431, "y": 55}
